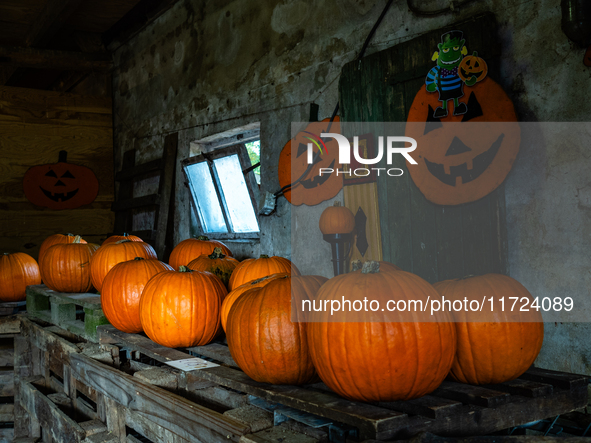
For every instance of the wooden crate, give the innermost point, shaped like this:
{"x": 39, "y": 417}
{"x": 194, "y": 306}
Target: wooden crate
{"x": 454, "y": 409}
{"x": 12, "y": 307}
{"x": 70, "y": 390}
{"x": 77, "y": 313}
{"x": 9, "y": 329}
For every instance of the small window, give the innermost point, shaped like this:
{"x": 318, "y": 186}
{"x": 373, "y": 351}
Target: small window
{"x": 223, "y": 187}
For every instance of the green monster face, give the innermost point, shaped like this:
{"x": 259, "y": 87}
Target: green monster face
{"x": 450, "y": 53}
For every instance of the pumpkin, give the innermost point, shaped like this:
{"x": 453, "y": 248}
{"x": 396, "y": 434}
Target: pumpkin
{"x": 460, "y": 163}
{"x": 254, "y": 268}
{"x": 493, "y": 347}
{"x": 217, "y": 263}
{"x": 191, "y": 248}
{"x": 54, "y": 240}
{"x": 60, "y": 185}
{"x": 66, "y": 266}
{"x": 182, "y": 308}
{"x": 109, "y": 255}
{"x": 116, "y": 238}
{"x": 293, "y": 163}
{"x": 233, "y": 295}
{"x": 379, "y": 355}
{"x": 122, "y": 289}
{"x": 17, "y": 271}
{"x": 263, "y": 340}
{"x": 337, "y": 219}
{"x": 472, "y": 66}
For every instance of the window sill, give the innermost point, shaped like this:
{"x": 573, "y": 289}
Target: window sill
{"x": 244, "y": 241}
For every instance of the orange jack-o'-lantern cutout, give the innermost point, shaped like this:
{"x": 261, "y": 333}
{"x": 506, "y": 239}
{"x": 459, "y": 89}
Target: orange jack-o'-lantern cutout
{"x": 60, "y": 185}
{"x": 312, "y": 188}
{"x": 460, "y": 158}
{"x": 472, "y": 66}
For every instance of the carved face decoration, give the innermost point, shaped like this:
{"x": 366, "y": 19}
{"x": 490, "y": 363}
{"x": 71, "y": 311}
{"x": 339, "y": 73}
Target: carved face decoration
{"x": 473, "y": 66}
{"x": 463, "y": 158}
{"x": 313, "y": 188}
{"x": 60, "y": 185}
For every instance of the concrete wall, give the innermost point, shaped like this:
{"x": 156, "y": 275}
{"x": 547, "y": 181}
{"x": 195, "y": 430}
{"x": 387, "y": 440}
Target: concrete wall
{"x": 206, "y": 67}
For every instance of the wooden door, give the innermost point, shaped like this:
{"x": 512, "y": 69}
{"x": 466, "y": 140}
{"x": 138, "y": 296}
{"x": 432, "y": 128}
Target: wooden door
{"x": 436, "y": 242}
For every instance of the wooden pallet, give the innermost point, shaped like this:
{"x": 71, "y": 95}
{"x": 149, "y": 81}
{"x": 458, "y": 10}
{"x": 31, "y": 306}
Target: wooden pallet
{"x": 77, "y": 313}
{"x": 82, "y": 392}
{"x": 9, "y": 328}
{"x": 453, "y": 409}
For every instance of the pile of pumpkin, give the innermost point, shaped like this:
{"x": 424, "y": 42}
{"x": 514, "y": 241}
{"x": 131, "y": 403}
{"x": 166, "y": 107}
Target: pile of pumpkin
{"x": 203, "y": 290}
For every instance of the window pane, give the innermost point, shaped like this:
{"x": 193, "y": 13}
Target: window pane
{"x": 206, "y": 199}
{"x": 254, "y": 153}
{"x": 238, "y": 200}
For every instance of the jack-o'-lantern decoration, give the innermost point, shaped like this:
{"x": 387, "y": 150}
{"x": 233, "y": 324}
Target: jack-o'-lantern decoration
{"x": 60, "y": 185}
{"x": 462, "y": 158}
{"x": 312, "y": 187}
{"x": 473, "y": 66}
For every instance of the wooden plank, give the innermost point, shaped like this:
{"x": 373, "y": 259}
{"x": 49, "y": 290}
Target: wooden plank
{"x": 526, "y": 388}
{"x": 561, "y": 380}
{"x": 164, "y": 408}
{"x": 61, "y": 427}
{"x": 6, "y": 381}
{"x": 216, "y": 351}
{"x": 474, "y": 395}
{"x": 59, "y": 60}
{"x": 428, "y": 406}
{"x": 10, "y": 325}
{"x": 6, "y": 413}
{"x": 155, "y": 433}
{"x": 25, "y": 425}
{"x": 165, "y": 190}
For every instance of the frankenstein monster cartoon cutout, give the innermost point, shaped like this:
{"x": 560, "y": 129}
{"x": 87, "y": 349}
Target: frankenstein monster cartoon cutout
{"x": 445, "y": 77}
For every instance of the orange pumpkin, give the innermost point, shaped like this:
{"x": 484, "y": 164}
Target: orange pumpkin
{"x": 17, "y": 271}
{"x": 493, "y": 347}
{"x": 472, "y": 66}
{"x": 60, "y": 185}
{"x": 109, "y": 255}
{"x": 337, "y": 219}
{"x": 66, "y": 266}
{"x": 217, "y": 263}
{"x": 191, "y": 248}
{"x": 122, "y": 289}
{"x": 54, "y": 240}
{"x": 233, "y": 295}
{"x": 460, "y": 163}
{"x": 182, "y": 308}
{"x": 368, "y": 356}
{"x": 313, "y": 187}
{"x": 254, "y": 268}
{"x": 263, "y": 340}
{"x": 116, "y": 238}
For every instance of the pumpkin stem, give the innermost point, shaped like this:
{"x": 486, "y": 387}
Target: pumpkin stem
{"x": 475, "y": 54}
{"x": 69, "y": 234}
{"x": 123, "y": 241}
{"x": 7, "y": 253}
{"x": 217, "y": 253}
{"x": 77, "y": 239}
{"x": 370, "y": 267}
{"x": 264, "y": 256}
{"x": 356, "y": 265}
{"x": 62, "y": 157}
{"x": 139, "y": 258}
{"x": 185, "y": 269}
{"x": 337, "y": 203}
{"x": 203, "y": 237}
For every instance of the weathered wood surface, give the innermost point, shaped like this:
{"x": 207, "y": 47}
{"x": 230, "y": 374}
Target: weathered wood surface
{"x": 9, "y": 325}
{"x": 59, "y": 60}
{"x": 453, "y": 409}
{"x": 34, "y": 126}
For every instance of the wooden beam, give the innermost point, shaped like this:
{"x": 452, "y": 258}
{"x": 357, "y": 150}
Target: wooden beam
{"x": 137, "y": 18}
{"x": 60, "y": 60}
{"x": 49, "y": 21}
{"x": 51, "y": 18}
